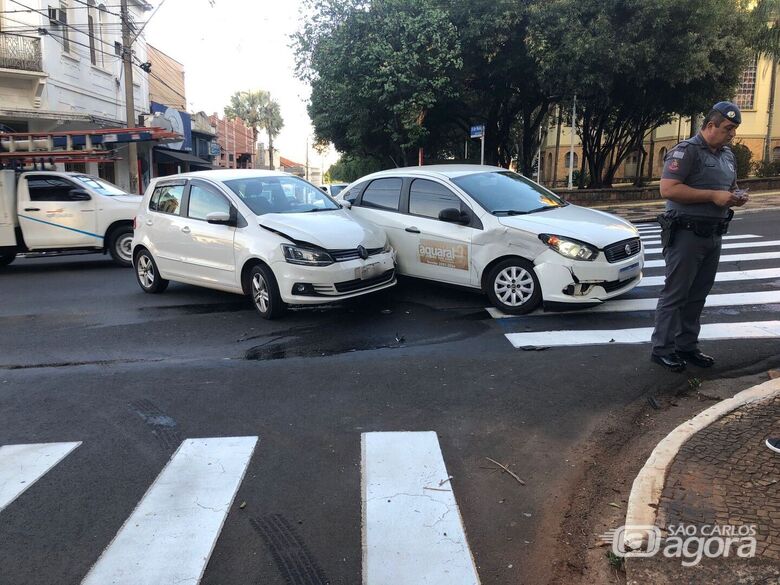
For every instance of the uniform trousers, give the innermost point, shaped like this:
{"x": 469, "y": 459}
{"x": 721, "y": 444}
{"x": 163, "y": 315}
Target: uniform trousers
{"x": 691, "y": 264}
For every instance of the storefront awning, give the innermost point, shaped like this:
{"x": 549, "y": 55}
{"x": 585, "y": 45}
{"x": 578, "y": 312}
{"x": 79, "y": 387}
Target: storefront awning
{"x": 176, "y": 156}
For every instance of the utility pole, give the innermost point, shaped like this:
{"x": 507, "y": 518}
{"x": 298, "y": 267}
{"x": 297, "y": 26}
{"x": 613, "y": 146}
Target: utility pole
{"x": 571, "y": 150}
{"x": 127, "y": 58}
{"x": 307, "y": 159}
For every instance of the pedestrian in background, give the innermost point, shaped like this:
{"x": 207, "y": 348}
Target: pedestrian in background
{"x": 699, "y": 183}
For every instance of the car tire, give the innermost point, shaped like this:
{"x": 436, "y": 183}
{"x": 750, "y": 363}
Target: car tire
{"x": 147, "y": 273}
{"x": 6, "y": 259}
{"x": 264, "y": 293}
{"x": 120, "y": 243}
{"x": 513, "y": 288}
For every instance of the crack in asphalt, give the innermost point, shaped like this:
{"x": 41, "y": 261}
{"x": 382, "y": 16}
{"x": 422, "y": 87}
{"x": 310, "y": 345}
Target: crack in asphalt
{"x": 77, "y": 363}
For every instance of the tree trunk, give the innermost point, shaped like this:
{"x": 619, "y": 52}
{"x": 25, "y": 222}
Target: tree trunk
{"x": 255, "y": 152}
{"x": 768, "y": 141}
{"x": 270, "y": 152}
{"x": 557, "y": 147}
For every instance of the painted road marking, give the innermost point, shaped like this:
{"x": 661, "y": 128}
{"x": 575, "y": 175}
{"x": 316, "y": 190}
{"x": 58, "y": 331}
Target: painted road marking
{"x": 650, "y": 242}
{"x": 22, "y": 465}
{"x": 412, "y": 528}
{"x": 170, "y": 535}
{"x": 752, "y": 330}
{"x": 627, "y": 305}
{"x": 767, "y": 273}
{"x": 761, "y": 244}
{"x": 727, "y": 258}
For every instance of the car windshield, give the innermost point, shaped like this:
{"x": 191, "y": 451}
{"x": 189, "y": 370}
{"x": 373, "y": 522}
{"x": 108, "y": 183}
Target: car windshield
{"x": 507, "y": 193}
{"x": 275, "y": 194}
{"x": 100, "y": 186}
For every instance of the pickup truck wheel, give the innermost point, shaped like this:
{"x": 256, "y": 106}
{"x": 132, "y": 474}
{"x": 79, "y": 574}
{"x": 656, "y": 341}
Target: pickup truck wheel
{"x": 513, "y": 288}
{"x": 6, "y": 259}
{"x": 120, "y": 245}
{"x": 147, "y": 274}
{"x": 264, "y": 293}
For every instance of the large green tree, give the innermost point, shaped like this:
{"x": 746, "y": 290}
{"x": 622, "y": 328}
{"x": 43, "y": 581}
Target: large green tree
{"x": 258, "y": 110}
{"x": 376, "y": 70}
{"x": 633, "y": 64}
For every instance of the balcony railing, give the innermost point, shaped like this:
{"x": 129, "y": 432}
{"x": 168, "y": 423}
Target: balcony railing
{"x": 20, "y": 52}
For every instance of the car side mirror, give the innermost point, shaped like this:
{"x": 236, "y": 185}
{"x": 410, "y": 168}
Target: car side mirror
{"x": 324, "y": 189}
{"x": 79, "y": 195}
{"x": 221, "y": 218}
{"x": 453, "y": 215}
{"x": 346, "y": 204}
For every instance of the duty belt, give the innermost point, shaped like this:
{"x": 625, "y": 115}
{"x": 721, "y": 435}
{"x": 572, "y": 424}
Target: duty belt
{"x": 705, "y": 228}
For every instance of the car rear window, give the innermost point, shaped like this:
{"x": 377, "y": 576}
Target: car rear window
{"x": 167, "y": 199}
{"x": 383, "y": 194}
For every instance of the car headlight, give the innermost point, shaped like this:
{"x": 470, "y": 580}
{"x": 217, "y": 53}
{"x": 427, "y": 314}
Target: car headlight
{"x": 570, "y": 248}
{"x": 306, "y": 256}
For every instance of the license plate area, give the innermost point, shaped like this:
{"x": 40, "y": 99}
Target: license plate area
{"x": 628, "y": 272}
{"x": 368, "y": 271}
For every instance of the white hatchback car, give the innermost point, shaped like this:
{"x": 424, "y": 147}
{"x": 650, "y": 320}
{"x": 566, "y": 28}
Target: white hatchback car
{"x": 266, "y": 234}
{"x": 492, "y": 229}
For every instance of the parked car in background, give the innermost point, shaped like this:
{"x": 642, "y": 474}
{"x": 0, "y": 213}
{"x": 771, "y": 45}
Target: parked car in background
{"x": 265, "y": 234}
{"x": 43, "y": 212}
{"x": 491, "y": 229}
{"x": 334, "y": 189}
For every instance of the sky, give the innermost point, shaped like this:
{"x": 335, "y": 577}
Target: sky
{"x": 233, "y": 45}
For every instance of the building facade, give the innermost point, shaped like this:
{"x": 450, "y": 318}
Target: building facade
{"x": 61, "y": 69}
{"x": 236, "y": 143}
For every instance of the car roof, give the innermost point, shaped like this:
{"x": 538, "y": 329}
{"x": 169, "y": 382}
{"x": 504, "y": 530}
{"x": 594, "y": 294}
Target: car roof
{"x": 439, "y": 171}
{"x": 228, "y": 174}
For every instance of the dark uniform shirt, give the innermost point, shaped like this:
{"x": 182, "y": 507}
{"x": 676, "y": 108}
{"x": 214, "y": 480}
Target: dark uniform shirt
{"x": 693, "y": 163}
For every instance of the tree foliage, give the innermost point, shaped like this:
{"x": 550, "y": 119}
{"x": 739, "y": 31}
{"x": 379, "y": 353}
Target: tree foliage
{"x": 633, "y": 64}
{"x": 258, "y": 110}
{"x": 389, "y": 76}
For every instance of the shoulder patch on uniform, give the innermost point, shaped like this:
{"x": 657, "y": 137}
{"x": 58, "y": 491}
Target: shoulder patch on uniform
{"x": 678, "y": 154}
{"x": 674, "y": 165}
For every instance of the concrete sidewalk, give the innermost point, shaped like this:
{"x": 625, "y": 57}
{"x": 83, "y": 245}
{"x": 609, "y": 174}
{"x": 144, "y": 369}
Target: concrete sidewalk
{"x": 645, "y": 211}
{"x": 723, "y": 479}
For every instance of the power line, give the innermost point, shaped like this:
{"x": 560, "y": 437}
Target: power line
{"x": 87, "y": 5}
{"x": 147, "y": 21}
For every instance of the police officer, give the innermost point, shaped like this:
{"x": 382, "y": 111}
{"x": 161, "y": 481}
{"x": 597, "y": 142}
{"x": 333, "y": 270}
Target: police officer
{"x": 699, "y": 183}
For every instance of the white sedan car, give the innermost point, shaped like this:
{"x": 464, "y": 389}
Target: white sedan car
{"x": 491, "y": 229}
{"x": 265, "y": 234}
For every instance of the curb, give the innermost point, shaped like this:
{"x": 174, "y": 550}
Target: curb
{"x": 649, "y": 484}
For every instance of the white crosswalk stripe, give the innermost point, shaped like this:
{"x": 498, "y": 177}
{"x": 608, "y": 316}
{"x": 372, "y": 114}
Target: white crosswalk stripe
{"x": 754, "y": 330}
{"x": 22, "y": 465}
{"x": 413, "y": 531}
{"x": 747, "y": 292}
{"x": 727, "y": 258}
{"x": 171, "y": 534}
{"x": 734, "y": 246}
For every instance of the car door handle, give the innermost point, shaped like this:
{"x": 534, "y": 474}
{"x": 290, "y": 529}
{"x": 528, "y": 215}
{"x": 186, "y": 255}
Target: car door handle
{"x": 87, "y": 210}
{"x": 32, "y": 208}
{"x": 412, "y": 230}
{"x": 186, "y": 229}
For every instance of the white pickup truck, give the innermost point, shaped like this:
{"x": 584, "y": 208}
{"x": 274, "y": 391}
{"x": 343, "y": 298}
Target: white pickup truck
{"x": 49, "y": 211}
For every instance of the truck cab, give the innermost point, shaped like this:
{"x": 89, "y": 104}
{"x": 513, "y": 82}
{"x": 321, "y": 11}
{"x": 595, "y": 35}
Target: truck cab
{"x": 46, "y": 212}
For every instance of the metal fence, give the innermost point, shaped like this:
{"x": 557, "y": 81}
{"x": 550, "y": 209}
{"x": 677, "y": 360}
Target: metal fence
{"x": 20, "y": 52}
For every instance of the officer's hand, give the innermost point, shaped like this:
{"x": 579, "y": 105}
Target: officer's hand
{"x": 724, "y": 198}
{"x": 742, "y": 200}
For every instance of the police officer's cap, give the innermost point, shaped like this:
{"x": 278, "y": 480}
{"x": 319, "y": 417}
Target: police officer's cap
{"x": 730, "y": 111}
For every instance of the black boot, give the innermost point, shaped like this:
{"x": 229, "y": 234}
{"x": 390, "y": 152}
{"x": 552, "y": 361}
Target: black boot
{"x": 672, "y": 361}
{"x": 697, "y": 358}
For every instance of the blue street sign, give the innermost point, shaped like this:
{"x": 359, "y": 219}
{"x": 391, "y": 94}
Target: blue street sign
{"x": 478, "y": 131}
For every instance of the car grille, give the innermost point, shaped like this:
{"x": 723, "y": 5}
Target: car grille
{"x": 344, "y": 255}
{"x": 617, "y": 252}
{"x": 358, "y": 284}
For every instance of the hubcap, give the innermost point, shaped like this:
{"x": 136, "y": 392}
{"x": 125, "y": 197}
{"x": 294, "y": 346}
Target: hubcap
{"x": 124, "y": 247}
{"x": 145, "y": 271}
{"x": 260, "y": 293}
{"x": 514, "y": 286}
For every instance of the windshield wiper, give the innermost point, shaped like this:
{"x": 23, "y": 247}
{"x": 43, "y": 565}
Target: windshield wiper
{"x": 545, "y": 208}
{"x": 509, "y": 212}
{"x": 320, "y": 209}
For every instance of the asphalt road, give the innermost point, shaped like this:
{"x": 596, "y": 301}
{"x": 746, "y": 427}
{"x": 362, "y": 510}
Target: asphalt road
{"x": 88, "y": 357}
